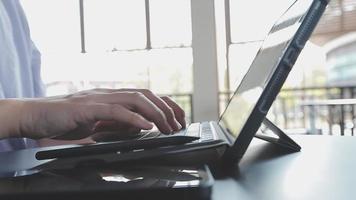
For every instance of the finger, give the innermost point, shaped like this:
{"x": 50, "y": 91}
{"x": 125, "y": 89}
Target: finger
{"x": 92, "y": 91}
{"x": 103, "y": 126}
{"x": 178, "y": 111}
{"x": 139, "y": 103}
{"x": 161, "y": 104}
{"x": 171, "y": 109}
{"x": 167, "y": 110}
{"x": 113, "y": 112}
{"x": 103, "y": 90}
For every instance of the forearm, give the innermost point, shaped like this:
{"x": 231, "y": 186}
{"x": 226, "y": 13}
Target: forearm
{"x": 10, "y": 118}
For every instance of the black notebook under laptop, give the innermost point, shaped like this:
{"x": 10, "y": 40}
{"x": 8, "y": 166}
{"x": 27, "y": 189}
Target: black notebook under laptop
{"x": 228, "y": 138}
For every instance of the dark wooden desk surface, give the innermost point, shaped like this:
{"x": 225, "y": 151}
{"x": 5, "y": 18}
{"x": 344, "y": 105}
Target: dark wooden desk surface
{"x": 324, "y": 169}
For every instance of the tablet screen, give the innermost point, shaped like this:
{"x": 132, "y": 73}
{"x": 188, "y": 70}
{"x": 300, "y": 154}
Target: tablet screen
{"x": 264, "y": 65}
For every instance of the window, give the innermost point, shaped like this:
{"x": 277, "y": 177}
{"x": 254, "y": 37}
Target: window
{"x": 116, "y": 36}
{"x": 249, "y": 26}
{"x": 54, "y": 25}
{"x": 170, "y": 23}
{"x": 114, "y": 25}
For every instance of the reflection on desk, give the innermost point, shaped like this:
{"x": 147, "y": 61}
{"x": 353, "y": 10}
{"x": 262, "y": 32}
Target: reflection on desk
{"x": 127, "y": 182}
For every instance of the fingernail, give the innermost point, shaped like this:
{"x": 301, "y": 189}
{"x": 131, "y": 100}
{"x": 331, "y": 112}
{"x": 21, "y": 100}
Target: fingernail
{"x": 146, "y": 125}
{"x": 179, "y": 126}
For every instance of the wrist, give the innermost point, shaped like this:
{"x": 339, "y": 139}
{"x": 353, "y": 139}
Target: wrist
{"x": 10, "y": 118}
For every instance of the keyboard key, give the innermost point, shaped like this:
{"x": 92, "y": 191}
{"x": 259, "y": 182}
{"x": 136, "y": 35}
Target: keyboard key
{"x": 180, "y": 132}
{"x": 149, "y": 134}
{"x": 193, "y": 130}
{"x": 205, "y": 132}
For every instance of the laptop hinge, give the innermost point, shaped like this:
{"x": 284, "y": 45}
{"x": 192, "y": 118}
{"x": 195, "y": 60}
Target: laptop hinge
{"x": 283, "y": 139}
{"x": 221, "y": 133}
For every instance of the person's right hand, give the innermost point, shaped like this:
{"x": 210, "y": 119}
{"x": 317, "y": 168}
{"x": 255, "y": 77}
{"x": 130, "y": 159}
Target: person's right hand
{"x": 81, "y": 115}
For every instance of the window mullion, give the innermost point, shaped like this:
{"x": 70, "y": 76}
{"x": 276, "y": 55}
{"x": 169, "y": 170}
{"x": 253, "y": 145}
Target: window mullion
{"x": 82, "y": 26}
{"x": 148, "y": 25}
{"x": 228, "y": 43}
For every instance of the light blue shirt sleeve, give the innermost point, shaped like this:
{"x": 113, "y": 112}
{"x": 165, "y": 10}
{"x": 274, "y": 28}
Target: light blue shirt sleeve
{"x": 20, "y": 63}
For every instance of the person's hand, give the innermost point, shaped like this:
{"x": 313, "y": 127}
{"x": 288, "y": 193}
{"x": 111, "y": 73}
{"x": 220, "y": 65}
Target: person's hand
{"x": 86, "y": 113}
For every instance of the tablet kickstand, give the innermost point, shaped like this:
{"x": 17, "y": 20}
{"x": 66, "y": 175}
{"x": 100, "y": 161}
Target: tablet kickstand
{"x": 283, "y": 139}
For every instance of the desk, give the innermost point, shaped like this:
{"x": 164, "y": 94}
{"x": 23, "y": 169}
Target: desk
{"x": 324, "y": 169}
